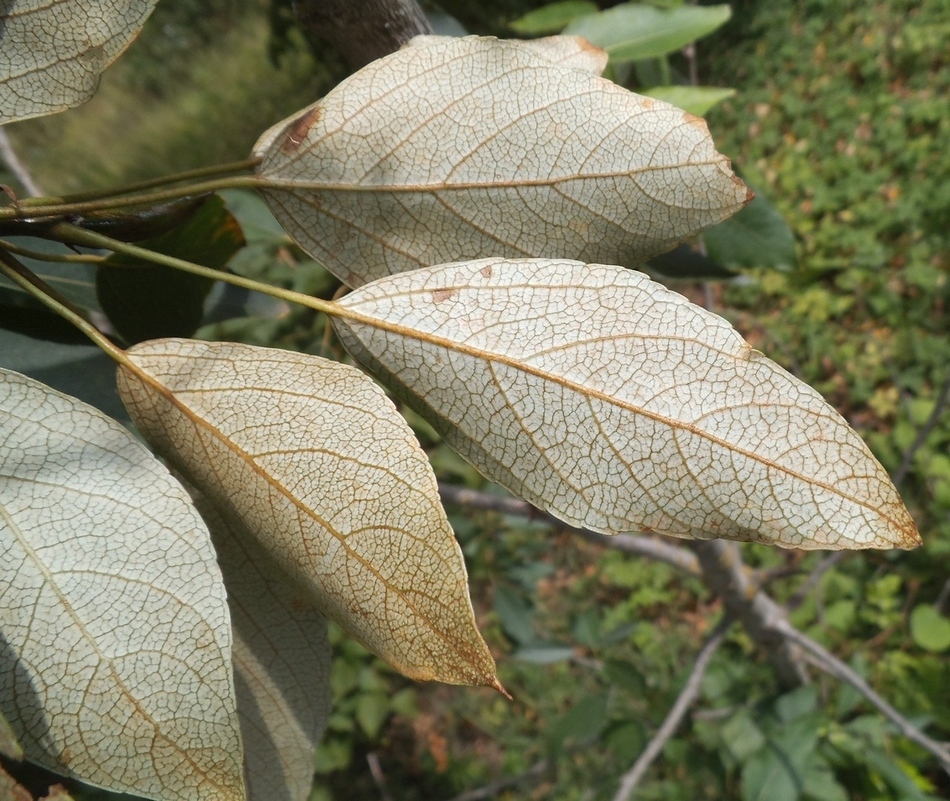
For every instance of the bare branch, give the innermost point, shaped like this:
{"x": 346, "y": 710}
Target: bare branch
{"x": 727, "y": 576}
{"x": 9, "y": 157}
{"x": 363, "y": 30}
{"x": 491, "y": 790}
{"x": 376, "y": 771}
{"x": 683, "y": 702}
{"x": 641, "y": 545}
{"x": 830, "y": 664}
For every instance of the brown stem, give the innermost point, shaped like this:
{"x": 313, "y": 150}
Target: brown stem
{"x": 363, "y": 30}
{"x": 726, "y": 575}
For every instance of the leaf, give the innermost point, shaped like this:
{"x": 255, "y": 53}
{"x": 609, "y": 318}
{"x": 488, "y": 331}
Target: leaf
{"x": 635, "y": 31}
{"x": 930, "y": 629}
{"x": 52, "y": 53}
{"x": 11, "y": 789}
{"x": 757, "y": 236}
{"x": 316, "y": 463}
{"x": 616, "y": 405}
{"x": 566, "y": 51}
{"x": 9, "y": 747}
{"x": 570, "y": 165}
{"x": 552, "y": 17}
{"x": 146, "y": 301}
{"x": 281, "y": 669}
{"x": 116, "y": 664}
{"x": 694, "y": 99}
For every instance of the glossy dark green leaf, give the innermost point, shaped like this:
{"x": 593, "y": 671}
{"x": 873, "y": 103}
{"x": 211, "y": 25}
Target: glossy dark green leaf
{"x": 552, "y": 17}
{"x": 147, "y": 301}
{"x": 146, "y": 224}
{"x": 688, "y": 264}
{"x": 756, "y": 236}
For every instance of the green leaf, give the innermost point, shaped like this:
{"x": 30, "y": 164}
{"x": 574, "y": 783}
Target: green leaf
{"x": 552, "y": 18}
{"x": 635, "y": 31}
{"x": 820, "y": 785}
{"x": 625, "y": 676}
{"x": 757, "y": 236}
{"x": 580, "y": 725}
{"x": 930, "y": 629}
{"x": 742, "y": 735}
{"x": 371, "y": 711}
{"x": 694, "y": 99}
{"x": 544, "y": 653}
{"x": 515, "y": 615}
{"x": 149, "y": 301}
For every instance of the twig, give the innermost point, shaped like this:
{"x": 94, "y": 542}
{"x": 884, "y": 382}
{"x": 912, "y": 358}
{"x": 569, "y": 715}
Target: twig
{"x": 804, "y": 589}
{"x": 9, "y": 157}
{"x": 683, "y": 702}
{"x": 653, "y": 548}
{"x": 376, "y": 771}
{"x": 727, "y": 576}
{"x": 939, "y": 406}
{"x": 489, "y": 790}
{"x": 830, "y": 664}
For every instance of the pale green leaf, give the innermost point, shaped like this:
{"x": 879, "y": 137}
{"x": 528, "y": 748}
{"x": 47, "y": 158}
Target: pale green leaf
{"x": 53, "y": 51}
{"x": 930, "y": 629}
{"x": 552, "y": 17}
{"x": 324, "y": 473}
{"x": 281, "y": 668}
{"x": 635, "y": 31}
{"x": 694, "y": 99}
{"x": 114, "y": 608}
{"x": 569, "y": 165}
{"x": 615, "y": 404}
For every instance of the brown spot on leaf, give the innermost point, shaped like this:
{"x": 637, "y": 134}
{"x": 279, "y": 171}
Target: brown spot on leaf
{"x": 698, "y": 122}
{"x": 299, "y": 129}
{"x": 442, "y": 294}
{"x": 486, "y": 271}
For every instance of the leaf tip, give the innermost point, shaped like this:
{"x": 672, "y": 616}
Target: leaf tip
{"x": 497, "y": 685}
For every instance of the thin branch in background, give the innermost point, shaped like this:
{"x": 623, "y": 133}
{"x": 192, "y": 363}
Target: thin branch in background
{"x": 805, "y": 588}
{"x": 376, "y": 771}
{"x": 939, "y": 407}
{"x": 830, "y": 664}
{"x": 9, "y": 157}
{"x": 674, "y": 717}
{"x": 491, "y": 790}
{"x": 641, "y": 545}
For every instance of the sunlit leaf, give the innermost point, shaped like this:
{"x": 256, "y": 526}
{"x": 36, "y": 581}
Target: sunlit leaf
{"x": 634, "y": 31}
{"x": 116, "y": 667}
{"x": 281, "y": 668}
{"x": 567, "y": 51}
{"x": 615, "y": 404}
{"x": 552, "y": 17}
{"x": 319, "y": 466}
{"x": 570, "y": 165}
{"x": 694, "y": 99}
{"x": 52, "y": 53}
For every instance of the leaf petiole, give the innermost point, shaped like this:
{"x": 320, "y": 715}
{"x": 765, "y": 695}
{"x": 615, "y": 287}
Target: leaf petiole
{"x": 140, "y": 186}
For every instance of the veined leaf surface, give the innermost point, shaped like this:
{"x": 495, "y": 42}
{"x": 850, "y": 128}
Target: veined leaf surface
{"x": 116, "y": 664}
{"x": 53, "y": 51}
{"x": 615, "y": 404}
{"x": 317, "y": 464}
{"x": 281, "y": 668}
{"x": 413, "y": 161}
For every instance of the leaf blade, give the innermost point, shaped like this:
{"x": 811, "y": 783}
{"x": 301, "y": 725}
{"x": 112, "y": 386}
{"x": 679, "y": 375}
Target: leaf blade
{"x": 53, "y": 53}
{"x": 625, "y": 425}
{"x": 572, "y": 166}
{"x": 114, "y": 607}
{"x": 380, "y": 561}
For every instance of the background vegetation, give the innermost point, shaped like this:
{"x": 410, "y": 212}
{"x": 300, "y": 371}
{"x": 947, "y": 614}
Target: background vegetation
{"x": 840, "y": 118}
